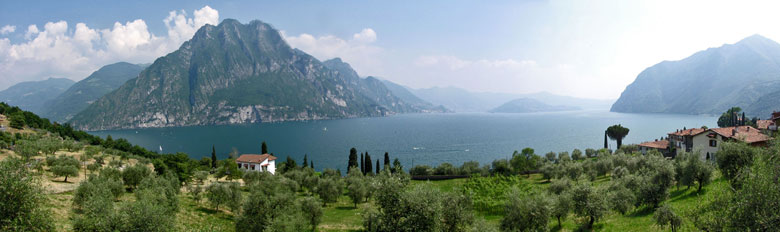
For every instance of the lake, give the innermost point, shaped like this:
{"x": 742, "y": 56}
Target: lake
{"x": 414, "y": 138}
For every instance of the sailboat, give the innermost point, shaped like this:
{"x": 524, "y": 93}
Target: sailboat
{"x": 160, "y": 148}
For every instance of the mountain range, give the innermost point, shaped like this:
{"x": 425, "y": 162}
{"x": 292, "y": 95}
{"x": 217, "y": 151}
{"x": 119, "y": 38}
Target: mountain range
{"x": 239, "y": 73}
{"x": 462, "y": 100}
{"x": 83, "y": 93}
{"x": 745, "y": 74}
{"x": 32, "y": 95}
{"x": 529, "y": 105}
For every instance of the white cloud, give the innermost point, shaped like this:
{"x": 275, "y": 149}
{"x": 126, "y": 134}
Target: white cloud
{"x": 60, "y": 51}
{"x": 7, "y": 29}
{"x": 358, "y": 51}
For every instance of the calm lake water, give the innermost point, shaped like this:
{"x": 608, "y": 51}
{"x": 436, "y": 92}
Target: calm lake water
{"x": 414, "y": 138}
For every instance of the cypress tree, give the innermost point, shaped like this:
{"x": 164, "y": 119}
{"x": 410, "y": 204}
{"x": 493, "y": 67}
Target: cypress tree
{"x": 743, "y": 118}
{"x": 387, "y": 161}
{"x": 352, "y": 159}
{"x": 377, "y": 166}
{"x": 213, "y": 157}
{"x": 305, "y": 160}
{"x": 362, "y": 164}
{"x": 606, "y": 145}
{"x": 368, "y": 164}
{"x": 264, "y": 148}
{"x": 311, "y": 164}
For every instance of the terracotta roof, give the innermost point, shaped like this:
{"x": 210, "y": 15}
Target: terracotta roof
{"x": 775, "y": 115}
{"x": 660, "y": 144}
{"x": 692, "y": 131}
{"x": 764, "y": 124}
{"x": 746, "y": 134}
{"x": 255, "y": 158}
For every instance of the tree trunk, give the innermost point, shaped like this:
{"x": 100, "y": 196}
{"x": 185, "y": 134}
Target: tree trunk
{"x": 590, "y": 222}
{"x": 559, "y": 222}
{"x": 699, "y": 190}
{"x": 619, "y": 143}
{"x": 66, "y": 178}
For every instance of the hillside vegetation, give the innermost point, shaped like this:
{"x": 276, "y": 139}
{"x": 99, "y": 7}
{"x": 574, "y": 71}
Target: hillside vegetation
{"x": 62, "y": 180}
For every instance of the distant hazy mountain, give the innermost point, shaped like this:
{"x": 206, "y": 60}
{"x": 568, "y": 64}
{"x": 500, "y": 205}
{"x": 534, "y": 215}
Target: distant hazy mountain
{"x": 239, "y": 73}
{"x": 80, "y": 95}
{"x": 461, "y": 100}
{"x": 407, "y": 96}
{"x": 32, "y": 95}
{"x": 710, "y": 81}
{"x": 528, "y": 105}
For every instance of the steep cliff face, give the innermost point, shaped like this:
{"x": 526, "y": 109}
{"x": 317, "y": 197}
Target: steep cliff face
{"x": 708, "y": 82}
{"x": 236, "y": 73}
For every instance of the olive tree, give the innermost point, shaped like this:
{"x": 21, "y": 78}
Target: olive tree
{"x": 525, "y": 213}
{"x": 133, "y": 175}
{"x": 65, "y": 171}
{"x": 22, "y": 205}
{"x": 664, "y": 216}
{"x": 311, "y": 208}
{"x": 588, "y": 202}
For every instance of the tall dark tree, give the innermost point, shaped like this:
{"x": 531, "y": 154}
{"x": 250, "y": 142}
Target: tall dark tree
{"x": 290, "y": 164}
{"x": 264, "y": 148}
{"x": 305, "y": 160}
{"x": 729, "y": 118}
{"x": 606, "y": 145}
{"x": 377, "y": 166}
{"x": 213, "y": 157}
{"x": 368, "y": 163}
{"x": 617, "y": 133}
{"x": 387, "y": 161}
{"x": 311, "y": 164}
{"x": 743, "y": 119}
{"x": 352, "y": 159}
{"x": 362, "y": 164}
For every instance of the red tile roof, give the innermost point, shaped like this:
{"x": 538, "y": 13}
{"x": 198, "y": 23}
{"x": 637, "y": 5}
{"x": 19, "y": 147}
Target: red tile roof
{"x": 660, "y": 144}
{"x": 692, "y": 131}
{"x": 746, "y": 134}
{"x": 764, "y": 124}
{"x": 775, "y": 115}
{"x": 255, "y": 158}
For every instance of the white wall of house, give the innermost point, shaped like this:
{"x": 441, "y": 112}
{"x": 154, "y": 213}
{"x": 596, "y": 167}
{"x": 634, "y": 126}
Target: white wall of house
{"x": 701, "y": 143}
{"x": 271, "y": 167}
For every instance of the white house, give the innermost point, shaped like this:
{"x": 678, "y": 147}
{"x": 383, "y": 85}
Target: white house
{"x": 708, "y": 142}
{"x": 254, "y": 162}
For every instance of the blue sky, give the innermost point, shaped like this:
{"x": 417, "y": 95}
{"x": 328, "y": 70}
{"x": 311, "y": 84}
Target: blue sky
{"x": 578, "y": 48}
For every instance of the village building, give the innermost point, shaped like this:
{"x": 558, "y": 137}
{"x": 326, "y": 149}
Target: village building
{"x": 254, "y": 162}
{"x": 682, "y": 140}
{"x": 658, "y": 145}
{"x": 708, "y": 142}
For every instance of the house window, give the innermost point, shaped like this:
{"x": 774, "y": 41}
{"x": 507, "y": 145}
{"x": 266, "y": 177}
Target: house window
{"x": 265, "y": 169}
{"x": 713, "y": 143}
{"x": 253, "y": 167}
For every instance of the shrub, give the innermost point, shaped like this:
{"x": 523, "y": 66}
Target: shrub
{"x": 133, "y": 175}
{"x": 665, "y": 216}
{"x": 224, "y": 194}
{"x": 457, "y": 212}
{"x": 421, "y": 170}
{"x": 22, "y": 205}
{"x": 577, "y": 154}
{"x": 525, "y": 213}
{"x": 444, "y": 169}
{"x": 65, "y": 171}
{"x": 732, "y": 158}
{"x": 588, "y": 202}
{"x": 311, "y": 208}
{"x": 329, "y": 189}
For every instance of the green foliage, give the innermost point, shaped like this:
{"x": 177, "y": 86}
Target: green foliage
{"x": 560, "y": 207}
{"x": 551, "y": 157}
{"x": 201, "y": 176}
{"x": 729, "y": 118}
{"x": 526, "y": 213}
{"x": 696, "y": 170}
{"x": 577, "y": 154}
{"x": 445, "y": 169}
{"x": 16, "y": 121}
{"x": 664, "y": 216}
{"x": 272, "y": 207}
{"x": 756, "y": 205}
{"x": 21, "y": 207}
{"x": 489, "y": 193}
{"x": 133, "y": 175}
{"x": 229, "y": 169}
{"x": 356, "y": 186}
{"x": 732, "y": 158}
{"x": 62, "y": 170}
{"x": 588, "y": 202}
{"x": 501, "y": 167}
{"x": 559, "y": 186}
{"x": 311, "y": 208}
{"x": 421, "y": 170}
{"x": 96, "y": 185}
{"x": 329, "y": 189}
{"x": 228, "y": 194}
{"x": 525, "y": 161}
{"x": 617, "y": 132}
